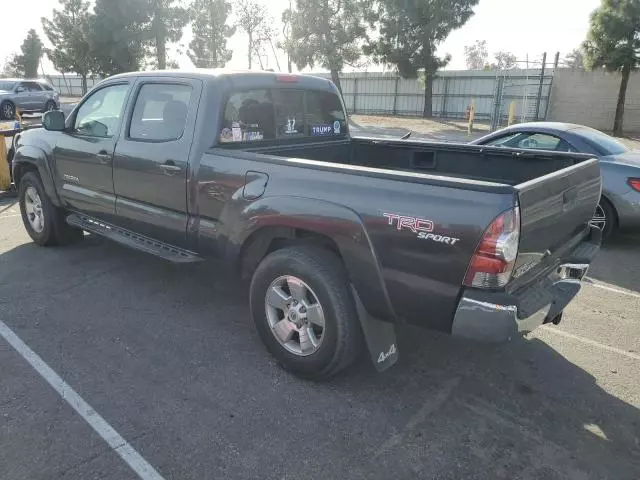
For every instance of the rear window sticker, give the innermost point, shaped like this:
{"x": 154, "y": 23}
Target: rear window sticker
{"x": 324, "y": 129}
{"x": 226, "y": 135}
{"x": 336, "y": 127}
{"x": 290, "y": 128}
{"x": 236, "y": 132}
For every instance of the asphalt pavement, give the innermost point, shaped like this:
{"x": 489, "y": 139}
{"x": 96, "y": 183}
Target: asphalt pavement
{"x": 168, "y": 357}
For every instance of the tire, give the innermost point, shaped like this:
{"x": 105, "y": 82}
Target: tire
{"x": 49, "y": 106}
{"x": 7, "y": 110}
{"x": 605, "y": 218}
{"x": 44, "y": 222}
{"x": 323, "y": 273}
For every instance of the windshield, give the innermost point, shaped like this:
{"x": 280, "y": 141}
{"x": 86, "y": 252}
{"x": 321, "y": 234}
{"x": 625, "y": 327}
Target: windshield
{"x": 602, "y": 142}
{"x": 8, "y": 86}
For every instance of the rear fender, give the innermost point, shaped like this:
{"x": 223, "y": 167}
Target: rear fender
{"x": 336, "y": 222}
{"x": 26, "y": 158}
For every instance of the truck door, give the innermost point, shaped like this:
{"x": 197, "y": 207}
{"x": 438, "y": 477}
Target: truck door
{"x": 151, "y": 158}
{"x": 84, "y": 151}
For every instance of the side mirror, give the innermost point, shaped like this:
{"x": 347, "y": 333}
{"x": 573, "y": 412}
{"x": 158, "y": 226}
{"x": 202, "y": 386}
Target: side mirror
{"x": 53, "y": 121}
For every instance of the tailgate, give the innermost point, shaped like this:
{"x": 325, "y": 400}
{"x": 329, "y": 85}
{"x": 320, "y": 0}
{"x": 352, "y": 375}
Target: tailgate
{"x": 555, "y": 210}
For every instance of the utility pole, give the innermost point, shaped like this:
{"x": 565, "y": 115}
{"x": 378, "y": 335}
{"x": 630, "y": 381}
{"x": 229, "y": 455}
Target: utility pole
{"x": 544, "y": 64}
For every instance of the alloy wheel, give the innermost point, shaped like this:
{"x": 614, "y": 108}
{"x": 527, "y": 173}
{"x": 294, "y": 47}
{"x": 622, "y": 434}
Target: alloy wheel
{"x": 33, "y": 209}
{"x": 295, "y": 315}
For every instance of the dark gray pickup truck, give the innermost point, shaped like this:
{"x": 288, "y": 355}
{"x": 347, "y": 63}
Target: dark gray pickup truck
{"x": 341, "y": 237}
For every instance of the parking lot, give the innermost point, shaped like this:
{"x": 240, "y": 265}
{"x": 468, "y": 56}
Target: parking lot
{"x": 166, "y": 355}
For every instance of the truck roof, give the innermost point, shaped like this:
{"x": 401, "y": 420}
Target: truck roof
{"x": 243, "y": 78}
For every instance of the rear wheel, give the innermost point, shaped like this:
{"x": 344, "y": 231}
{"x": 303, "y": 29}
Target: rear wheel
{"x": 604, "y": 218}
{"x": 43, "y": 221}
{"x": 51, "y": 105}
{"x": 7, "y": 110}
{"x": 304, "y": 311}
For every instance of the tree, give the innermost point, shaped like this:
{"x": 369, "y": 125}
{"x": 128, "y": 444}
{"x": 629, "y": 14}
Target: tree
{"x": 410, "y": 32}
{"x": 12, "y": 67}
{"x": 69, "y": 31}
{"x": 119, "y": 29}
{"x": 574, "y": 59}
{"x": 613, "y": 42}
{"x": 251, "y": 16}
{"x": 208, "y": 49}
{"x": 476, "y": 55}
{"x": 266, "y": 36}
{"x": 167, "y": 18}
{"x": 26, "y": 63}
{"x": 286, "y": 44}
{"x": 329, "y": 33}
{"x": 503, "y": 61}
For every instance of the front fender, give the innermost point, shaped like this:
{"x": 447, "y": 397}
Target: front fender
{"x": 340, "y": 224}
{"x": 30, "y": 156}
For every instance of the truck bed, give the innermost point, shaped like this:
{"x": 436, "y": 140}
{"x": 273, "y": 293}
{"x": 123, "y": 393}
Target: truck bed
{"x": 488, "y": 164}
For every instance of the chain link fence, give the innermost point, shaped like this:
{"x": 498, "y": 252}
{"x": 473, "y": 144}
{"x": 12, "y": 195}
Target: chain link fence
{"x": 492, "y": 93}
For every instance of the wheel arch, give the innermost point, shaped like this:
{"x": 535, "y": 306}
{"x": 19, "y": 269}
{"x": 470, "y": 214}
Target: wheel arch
{"x": 29, "y": 158}
{"x": 278, "y": 222}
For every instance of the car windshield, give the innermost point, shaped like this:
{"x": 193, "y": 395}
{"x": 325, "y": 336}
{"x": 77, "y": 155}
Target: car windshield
{"x": 5, "y": 85}
{"x": 602, "y": 142}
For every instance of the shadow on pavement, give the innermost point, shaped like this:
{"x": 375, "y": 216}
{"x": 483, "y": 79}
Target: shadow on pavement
{"x": 168, "y": 354}
{"x": 618, "y": 261}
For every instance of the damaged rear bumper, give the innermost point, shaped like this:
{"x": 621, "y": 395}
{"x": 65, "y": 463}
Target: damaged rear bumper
{"x": 496, "y": 317}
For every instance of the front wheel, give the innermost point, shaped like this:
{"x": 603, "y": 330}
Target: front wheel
{"x": 304, "y": 312}
{"x": 50, "y": 106}
{"x": 7, "y": 110}
{"x": 43, "y": 221}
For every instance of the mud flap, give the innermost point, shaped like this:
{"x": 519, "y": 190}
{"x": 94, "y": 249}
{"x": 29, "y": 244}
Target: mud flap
{"x": 380, "y": 337}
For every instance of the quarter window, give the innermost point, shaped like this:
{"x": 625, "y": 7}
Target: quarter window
{"x": 160, "y": 113}
{"x": 100, "y": 114}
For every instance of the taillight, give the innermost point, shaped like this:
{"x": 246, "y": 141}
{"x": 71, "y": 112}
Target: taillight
{"x": 493, "y": 260}
{"x": 286, "y": 78}
{"x": 634, "y": 183}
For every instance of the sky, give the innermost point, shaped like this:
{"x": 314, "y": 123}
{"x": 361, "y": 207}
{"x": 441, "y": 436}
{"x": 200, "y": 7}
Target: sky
{"x": 523, "y": 27}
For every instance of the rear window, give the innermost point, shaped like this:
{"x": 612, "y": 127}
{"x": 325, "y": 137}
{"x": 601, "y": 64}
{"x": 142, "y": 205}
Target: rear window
{"x": 6, "y": 85}
{"x": 47, "y": 87}
{"x": 269, "y": 114}
{"x": 602, "y": 142}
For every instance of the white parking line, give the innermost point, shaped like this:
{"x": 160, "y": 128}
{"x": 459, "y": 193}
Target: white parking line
{"x": 595, "y": 283}
{"x": 588, "y": 341}
{"x": 138, "y": 464}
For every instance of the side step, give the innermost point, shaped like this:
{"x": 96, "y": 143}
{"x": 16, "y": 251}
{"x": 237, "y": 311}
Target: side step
{"x": 131, "y": 239}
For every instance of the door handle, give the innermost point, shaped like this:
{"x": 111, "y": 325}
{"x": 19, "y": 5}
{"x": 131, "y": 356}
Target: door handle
{"x": 170, "y": 166}
{"x": 104, "y": 157}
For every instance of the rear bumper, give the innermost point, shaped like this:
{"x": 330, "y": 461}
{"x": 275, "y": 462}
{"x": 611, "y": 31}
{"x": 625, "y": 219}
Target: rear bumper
{"x": 499, "y": 316}
{"x": 480, "y": 319}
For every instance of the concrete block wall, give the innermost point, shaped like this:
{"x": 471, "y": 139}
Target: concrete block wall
{"x": 589, "y": 98}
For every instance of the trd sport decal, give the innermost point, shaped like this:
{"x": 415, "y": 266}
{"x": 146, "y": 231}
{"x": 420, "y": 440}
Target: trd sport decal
{"x": 423, "y": 228}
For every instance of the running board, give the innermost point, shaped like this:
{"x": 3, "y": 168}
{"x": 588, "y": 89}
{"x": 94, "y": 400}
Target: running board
{"x": 131, "y": 239}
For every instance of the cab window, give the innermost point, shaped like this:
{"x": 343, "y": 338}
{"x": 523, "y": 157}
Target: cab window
{"x": 100, "y": 114}
{"x": 248, "y": 117}
{"x": 281, "y": 113}
{"x": 325, "y": 115}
